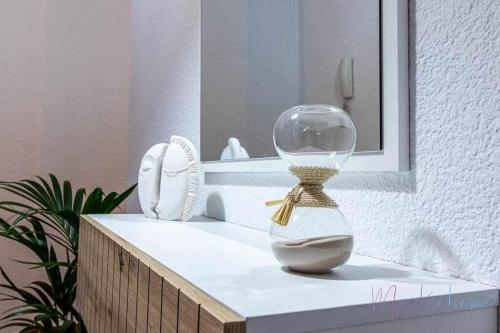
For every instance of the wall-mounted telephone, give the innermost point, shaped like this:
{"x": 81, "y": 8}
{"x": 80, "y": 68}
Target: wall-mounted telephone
{"x": 346, "y": 78}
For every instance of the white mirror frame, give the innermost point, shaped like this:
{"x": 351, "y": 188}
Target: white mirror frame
{"x": 395, "y": 111}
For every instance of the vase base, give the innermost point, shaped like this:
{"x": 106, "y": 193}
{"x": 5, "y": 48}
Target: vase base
{"x": 316, "y": 255}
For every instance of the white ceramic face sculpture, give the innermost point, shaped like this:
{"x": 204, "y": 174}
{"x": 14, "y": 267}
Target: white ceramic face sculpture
{"x": 234, "y": 150}
{"x": 180, "y": 179}
{"x": 149, "y": 179}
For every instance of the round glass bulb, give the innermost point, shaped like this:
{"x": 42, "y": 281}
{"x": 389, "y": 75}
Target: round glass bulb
{"x": 315, "y": 135}
{"x": 315, "y": 240}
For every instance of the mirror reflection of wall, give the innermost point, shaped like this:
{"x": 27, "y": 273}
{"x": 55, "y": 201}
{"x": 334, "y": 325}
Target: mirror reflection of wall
{"x": 260, "y": 58}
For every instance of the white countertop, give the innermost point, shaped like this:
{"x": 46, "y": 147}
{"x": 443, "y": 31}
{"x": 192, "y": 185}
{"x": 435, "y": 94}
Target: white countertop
{"x": 234, "y": 265}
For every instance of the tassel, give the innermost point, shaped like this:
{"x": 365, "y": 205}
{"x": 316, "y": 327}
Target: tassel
{"x": 308, "y": 193}
{"x": 282, "y": 215}
{"x": 274, "y": 202}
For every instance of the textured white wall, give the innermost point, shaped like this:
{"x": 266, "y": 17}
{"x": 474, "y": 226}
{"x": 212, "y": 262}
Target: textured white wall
{"x": 442, "y": 215}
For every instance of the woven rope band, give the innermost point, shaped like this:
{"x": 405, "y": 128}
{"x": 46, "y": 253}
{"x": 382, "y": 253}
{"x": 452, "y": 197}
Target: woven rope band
{"x": 307, "y": 193}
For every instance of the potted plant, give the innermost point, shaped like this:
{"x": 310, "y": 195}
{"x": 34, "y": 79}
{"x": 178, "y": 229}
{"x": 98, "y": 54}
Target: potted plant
{"x": 46, "y": 219}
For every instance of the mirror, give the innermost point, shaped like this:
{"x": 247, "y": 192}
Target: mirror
{"x": 259, "y": 58}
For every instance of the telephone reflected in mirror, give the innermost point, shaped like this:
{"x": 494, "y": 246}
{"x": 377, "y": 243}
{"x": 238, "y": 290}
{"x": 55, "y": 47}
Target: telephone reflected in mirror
{"x": 346, "y": 78}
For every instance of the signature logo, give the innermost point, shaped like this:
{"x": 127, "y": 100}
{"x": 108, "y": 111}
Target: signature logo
{"x": 386, "y": 304}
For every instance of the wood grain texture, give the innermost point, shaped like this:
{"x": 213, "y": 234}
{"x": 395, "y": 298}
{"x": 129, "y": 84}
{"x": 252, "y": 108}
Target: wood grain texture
{"x": 93, "y": 281}
{"x": 86, "y": 273}
{"x": 115, "y": 306}
{"x": 124, "y": 265}
{"x": 93, "y": 277}
{"x": 142, "y": 298}
{"x": 102, "y": 282}
{"x": 195, "y": 293}
{"x": 154, "y": 302}
{"x": 169, "y": 307}
{"x": 108, "y": 307}
{"x": 189, "y": 314}
{"x": 133, "y": 273}
{"x": 81, "y": 283}
{"x": 211, "y": 324}
{"x": 98, "y": 289}
{"x": 128, "y": 291}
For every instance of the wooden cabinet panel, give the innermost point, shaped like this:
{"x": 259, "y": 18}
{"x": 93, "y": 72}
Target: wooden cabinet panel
{"x": 210, "y": 323}
{"x": 108, "y": 304}
{"x": 133, "y": 273}
{"x": 93, "y": 279}
{"x": 122, "y": 311}
{"x": 80, "y": 292}
{"x": 115, "y": 303}
{"x": 100, "y": 274}
{"x": 169, "y": 307}
{"x": 103, "y": 262}
{"x": 81, "y": 279}
{"x": 142, "y": 298}
{"x": 121, "y": 289}
{"x": 154, "y": 302}
{"x": 189, "y": 312}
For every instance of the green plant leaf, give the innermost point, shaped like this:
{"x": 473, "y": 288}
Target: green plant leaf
{"x": 48, "y": 214}
{"x": 93, "y": 201}
{"x": 68, "y": 196}
{"x": 57, "y": 191}
{"x": 119, "y": 199}
{"x": 77, "y": 204}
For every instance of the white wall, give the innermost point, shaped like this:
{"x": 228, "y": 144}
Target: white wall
{"x": 224, "y": 76}
{"x": 22, "y": 37}
{"x": 64, "y": 92}
{"x": 165, "y": 77}
{"x": 442, "y": 215}
{"x": 85, "y": 118}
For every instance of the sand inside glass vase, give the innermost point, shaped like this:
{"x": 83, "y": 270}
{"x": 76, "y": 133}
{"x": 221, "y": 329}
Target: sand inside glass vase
{"x": 314, "y": 255}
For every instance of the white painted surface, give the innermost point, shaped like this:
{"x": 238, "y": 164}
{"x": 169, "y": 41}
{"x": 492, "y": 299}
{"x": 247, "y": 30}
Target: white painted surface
{"x": 235, "y": 265}
{"x": 477, "y": 321}
{"x": 442, "y": 215}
